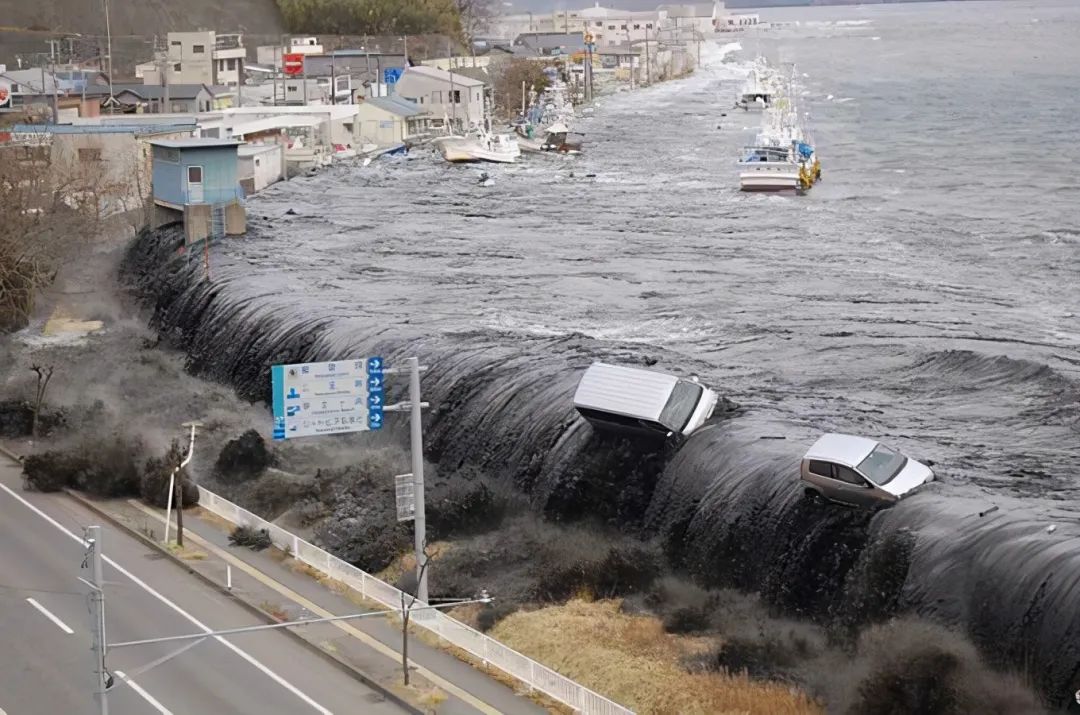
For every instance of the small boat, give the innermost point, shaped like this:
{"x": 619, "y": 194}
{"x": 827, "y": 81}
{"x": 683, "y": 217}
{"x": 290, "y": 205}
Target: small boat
{"x": 561, "y": 139}
{"x": 480, "y": 146}
{"x": 756, "y": 95}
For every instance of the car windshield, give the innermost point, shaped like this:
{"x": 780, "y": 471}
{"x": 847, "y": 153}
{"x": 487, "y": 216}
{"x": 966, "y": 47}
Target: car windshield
{"x": 680, "y": 406}
{"x": 882, "y": 465}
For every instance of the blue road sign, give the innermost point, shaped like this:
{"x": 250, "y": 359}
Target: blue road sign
{"x": 392, "y": 74}
{"x": 327, "y": 398}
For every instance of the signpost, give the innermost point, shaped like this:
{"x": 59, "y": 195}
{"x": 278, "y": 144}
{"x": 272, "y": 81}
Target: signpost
{"x": 322, "y": 398}
{"x": 391, "y": 75}
{"x": 292, "y": 64}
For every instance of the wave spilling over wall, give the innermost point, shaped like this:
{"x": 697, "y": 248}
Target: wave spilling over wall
{"x": 725, "y": 504}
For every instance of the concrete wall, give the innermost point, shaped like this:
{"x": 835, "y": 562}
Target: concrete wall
{"x": 116, "y": 166}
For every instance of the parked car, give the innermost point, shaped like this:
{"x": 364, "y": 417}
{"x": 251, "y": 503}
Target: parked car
{"x": 633, "y": 400}
{"x": 860, "y": 472}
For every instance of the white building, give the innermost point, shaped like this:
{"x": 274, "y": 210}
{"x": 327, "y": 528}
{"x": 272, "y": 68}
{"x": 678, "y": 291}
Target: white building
{"x": 259, "y": 165}
{"x": 271, "y": 54}
{"x": 610, "y": 26}
{"x": 446, "y": 95}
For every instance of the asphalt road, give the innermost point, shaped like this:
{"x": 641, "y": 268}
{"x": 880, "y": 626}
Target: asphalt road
{"x": 45, "y": 659}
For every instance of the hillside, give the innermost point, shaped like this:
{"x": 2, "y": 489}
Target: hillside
{"x": 144, "y": 18}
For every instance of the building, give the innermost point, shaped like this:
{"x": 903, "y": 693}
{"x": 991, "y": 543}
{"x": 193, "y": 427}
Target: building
{"x": 552, "y": 44}
{"x": 113, "y": 162}
{"x": 202, "y": 57}
{"x": 197, "y": 181}
{"x": 271, "y": 54}
{"x": 448, "y": 96}
{"x": 389, "y": 121}
{"x": 695, "y": 18}
{"x": 156, "y": 99}
{"x": 260, "y": 165}
{"x": 612, "y": 26}
{"x": 39, "y": 86}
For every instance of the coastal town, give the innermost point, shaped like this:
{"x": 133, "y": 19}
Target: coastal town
{"x": 511, "y": 357}
{"x": 308, "y": 102}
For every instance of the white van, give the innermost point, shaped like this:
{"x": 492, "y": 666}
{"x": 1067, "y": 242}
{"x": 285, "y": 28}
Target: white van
{"x": 629, "y": 399}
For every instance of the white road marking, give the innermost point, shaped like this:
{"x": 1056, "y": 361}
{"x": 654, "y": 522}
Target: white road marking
{"x": 198, "y": 624}
{"x": 145, "y": 695}
{"x": 45, "y": 612}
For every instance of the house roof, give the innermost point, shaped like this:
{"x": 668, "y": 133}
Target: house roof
{"x": 137, "y": 129}
{"x": 396, "y": 105}
{"x": 195, "y": 143}
{"x": 443, "y": 76}
{"x": 156, "y": 91}
{"x": 255, "y": 149}
{"x": 551, "y": 40}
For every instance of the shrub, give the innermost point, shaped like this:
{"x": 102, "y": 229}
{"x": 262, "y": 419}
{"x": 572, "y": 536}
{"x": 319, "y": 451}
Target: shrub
{"x": 105, "y": 468}
{"x": 243, "y": 458}
{"x": 254, "y": 539}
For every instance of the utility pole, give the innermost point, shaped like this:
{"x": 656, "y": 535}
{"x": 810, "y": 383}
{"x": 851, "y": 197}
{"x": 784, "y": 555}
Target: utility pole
{"x": 103, "y": 681}
{"x": 405, "y": 50}
{"x": 176, "y": 491}
{"x": 333, "y": 81}
{"x": 108, "y": 40}
{"x": 453, "y": 104}
{"x": 416, "y": 447}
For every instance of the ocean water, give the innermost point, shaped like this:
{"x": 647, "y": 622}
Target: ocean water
{"x": 926, "y": 292}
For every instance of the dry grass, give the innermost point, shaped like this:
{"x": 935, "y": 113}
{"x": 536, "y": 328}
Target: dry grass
{"x": 634, "y": 662}
{"x": 188, "y": 553}
{"x": 407, "y": 562}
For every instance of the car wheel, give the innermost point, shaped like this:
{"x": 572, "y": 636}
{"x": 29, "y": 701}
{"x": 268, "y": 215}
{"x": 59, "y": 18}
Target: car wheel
{"x": 814, "y": 497}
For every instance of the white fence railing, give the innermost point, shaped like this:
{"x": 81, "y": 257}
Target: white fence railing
{"x": 487, "y": 649}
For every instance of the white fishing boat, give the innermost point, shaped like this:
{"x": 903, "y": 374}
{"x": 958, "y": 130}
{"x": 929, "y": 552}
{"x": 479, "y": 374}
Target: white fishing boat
{"x": 783, "y": 158}
{"x": 480, "y": 146}
{"x": 756, "y": 95}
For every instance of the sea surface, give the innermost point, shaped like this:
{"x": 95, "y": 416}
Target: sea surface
{"x": 927, "y": 293}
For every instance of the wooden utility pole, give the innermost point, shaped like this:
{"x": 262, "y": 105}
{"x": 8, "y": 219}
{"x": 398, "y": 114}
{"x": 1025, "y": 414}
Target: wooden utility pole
{"x": 180, "y": 511}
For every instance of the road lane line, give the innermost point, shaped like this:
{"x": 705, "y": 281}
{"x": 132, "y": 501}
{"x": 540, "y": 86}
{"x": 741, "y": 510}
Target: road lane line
{"x": 198, "y": 624}
{"x": 318, "y": 610}
{"x": 145, "y": 695}
{"x": 45, "y": 612}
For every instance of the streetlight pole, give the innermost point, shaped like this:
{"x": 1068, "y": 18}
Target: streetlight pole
{"x": 416, "y": 447}
{"x": 103, "y": 681}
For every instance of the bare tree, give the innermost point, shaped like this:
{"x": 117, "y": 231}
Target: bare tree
{"x": 408, "y": 600}
{"x": 47, "y": 212}
{"x": 44, "y": 374}
{"x": 475, "y": 15}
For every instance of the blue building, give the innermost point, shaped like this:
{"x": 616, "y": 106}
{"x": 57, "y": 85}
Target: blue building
{"x": 197, "y": 180}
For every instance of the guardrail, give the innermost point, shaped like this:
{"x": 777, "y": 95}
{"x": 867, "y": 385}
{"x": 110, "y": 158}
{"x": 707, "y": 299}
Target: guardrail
{"x": 524, "y": 669}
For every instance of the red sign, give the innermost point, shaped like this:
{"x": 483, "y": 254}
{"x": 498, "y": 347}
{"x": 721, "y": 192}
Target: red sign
{"x": 292, "y": 64}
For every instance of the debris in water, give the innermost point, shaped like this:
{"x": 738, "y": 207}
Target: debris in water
{"x": 1051, "y": 529}
{"x": 291, "y": 212}
{"x": 991, "y": 509}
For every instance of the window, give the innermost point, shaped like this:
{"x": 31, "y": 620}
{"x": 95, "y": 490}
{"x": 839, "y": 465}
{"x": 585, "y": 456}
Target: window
{"x": 850, "y": 476}
{"x": 598, "y": 23}
{"x": 822, "y": 469}
{"x": 611, "y": 27}
{"x": 623, "y": 27}
{"x": 232, "y": 64}
{"x": 680, "y": 406}
{"x": 256, "y": 162}
{"x": 882, "y": 464}
{"x": 198, "y": 49}
{"x": 637, "y": 25}
{"x": 292, "y": 88}
{"x": 194, "y": 174}
{"x": 89, "y": 154}
{"x": 175, "y": 43}
{"x": 648, "y": 25}
{"x": 455, "y": 97}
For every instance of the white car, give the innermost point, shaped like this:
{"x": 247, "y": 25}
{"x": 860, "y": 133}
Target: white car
{"x": 632, "y": 400}
{"x": 859, "y": 471}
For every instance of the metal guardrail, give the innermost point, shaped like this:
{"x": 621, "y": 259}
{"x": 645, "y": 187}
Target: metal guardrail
{"x": 490, "y": 651}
